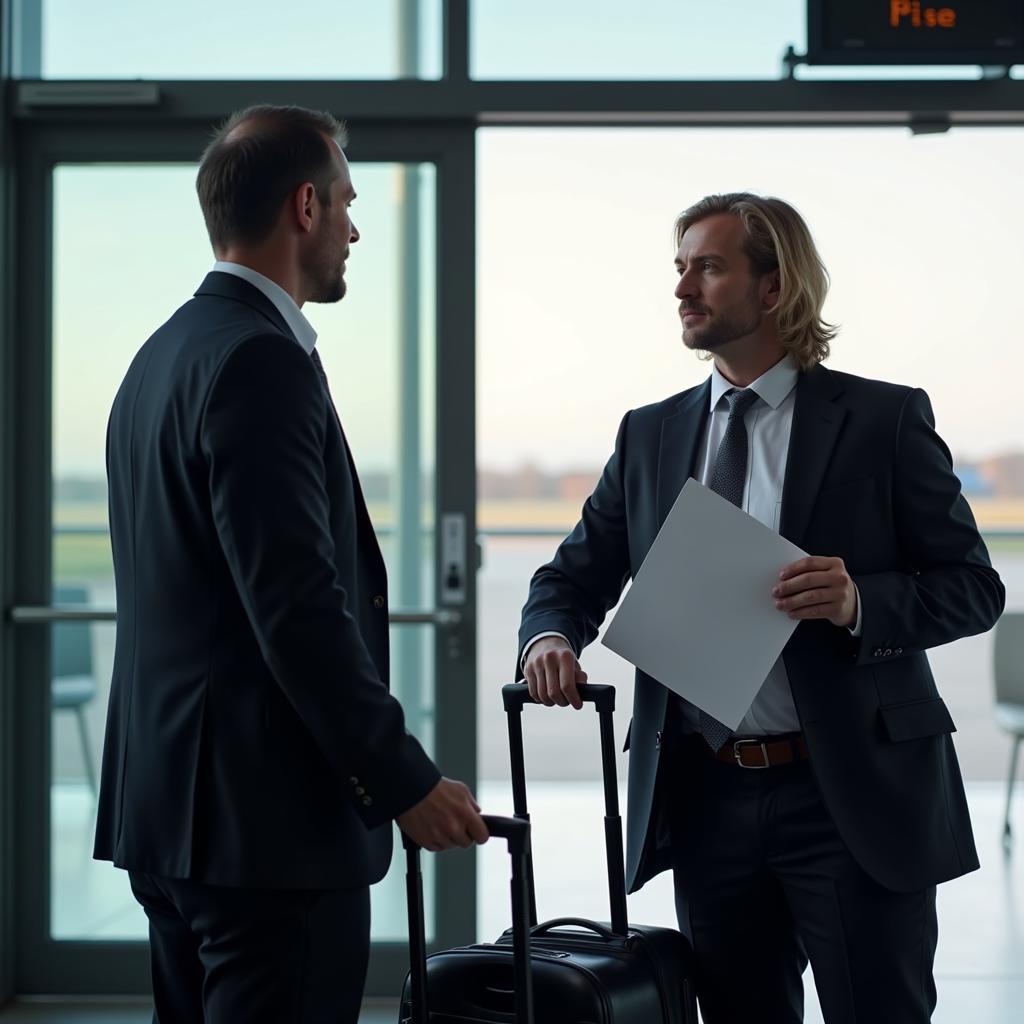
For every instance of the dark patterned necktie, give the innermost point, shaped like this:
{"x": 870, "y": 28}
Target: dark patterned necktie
{"x": 728, "y": 480}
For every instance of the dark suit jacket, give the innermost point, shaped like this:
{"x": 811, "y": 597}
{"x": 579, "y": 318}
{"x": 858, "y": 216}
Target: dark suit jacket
{"x": 251, "y": 739}
{"x": 869, "y": 480}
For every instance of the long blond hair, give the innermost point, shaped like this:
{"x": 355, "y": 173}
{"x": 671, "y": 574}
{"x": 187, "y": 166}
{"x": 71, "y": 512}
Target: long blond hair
{"x": 778, "y": 239}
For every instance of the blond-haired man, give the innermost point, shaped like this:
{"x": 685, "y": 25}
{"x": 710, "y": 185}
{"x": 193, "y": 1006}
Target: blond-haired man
{"x": 832, "y": 851}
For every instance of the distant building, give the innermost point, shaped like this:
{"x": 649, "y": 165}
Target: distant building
{"x": 972, "y": 482}
{"x": 577, "y": 485}
{"x": 1005, "y": 474}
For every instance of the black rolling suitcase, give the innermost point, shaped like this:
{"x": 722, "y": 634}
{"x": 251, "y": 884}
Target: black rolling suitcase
{"x": 580, "y": 971}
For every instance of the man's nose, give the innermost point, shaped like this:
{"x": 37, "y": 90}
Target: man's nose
{"x": 354, "y": 237}
{"x": 685, "y": 288}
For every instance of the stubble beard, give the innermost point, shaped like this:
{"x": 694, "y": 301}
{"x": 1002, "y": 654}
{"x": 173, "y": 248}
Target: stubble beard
{"x": 727, "y": 327}
{"x": 327, "y": 274}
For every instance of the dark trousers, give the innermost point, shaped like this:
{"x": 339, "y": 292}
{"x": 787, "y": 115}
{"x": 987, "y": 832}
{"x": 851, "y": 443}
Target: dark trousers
{"x": 763, "y": 883}
{"x": 222, "y": 955}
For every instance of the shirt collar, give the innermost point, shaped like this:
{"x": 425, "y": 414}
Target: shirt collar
{"x": 772, "y": 386}
{"x": 283, "y": 302}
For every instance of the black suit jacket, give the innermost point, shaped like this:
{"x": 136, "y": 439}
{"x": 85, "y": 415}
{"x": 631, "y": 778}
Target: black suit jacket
{"x": 869, "y": 480}
{"x": 251, "y": 738}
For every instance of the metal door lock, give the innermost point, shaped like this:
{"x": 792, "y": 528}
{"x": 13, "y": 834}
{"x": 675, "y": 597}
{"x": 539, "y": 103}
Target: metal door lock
{"x": 453, "y": 558}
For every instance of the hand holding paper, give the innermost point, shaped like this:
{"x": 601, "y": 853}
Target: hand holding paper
{"x": 817, "y": 588}
{"x": 700, "y": 616}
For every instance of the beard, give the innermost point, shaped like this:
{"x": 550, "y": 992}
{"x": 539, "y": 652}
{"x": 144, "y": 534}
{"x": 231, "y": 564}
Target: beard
{"x": 324, "y": 269}
{"x": 728, "y": 325}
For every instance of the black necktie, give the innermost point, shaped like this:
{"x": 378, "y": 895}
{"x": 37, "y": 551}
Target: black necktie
{"x": 728, "y": 480}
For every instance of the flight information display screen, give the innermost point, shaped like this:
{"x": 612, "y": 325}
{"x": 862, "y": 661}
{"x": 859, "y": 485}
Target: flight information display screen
{"x": 915, "y": 32}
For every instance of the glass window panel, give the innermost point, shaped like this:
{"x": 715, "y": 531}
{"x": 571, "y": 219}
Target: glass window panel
{"x": 230, "y": 39}
{"x": 646, "y": 39}
{"x": 652, "y": 40}
{"x": 88, "y": 899}
{"x": 378, "y": 347}
{"x": 578, "y": 313}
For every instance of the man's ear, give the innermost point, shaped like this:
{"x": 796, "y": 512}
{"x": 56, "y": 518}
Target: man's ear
{"x": 773, "y": 292}
{"x": 302, "y": 206}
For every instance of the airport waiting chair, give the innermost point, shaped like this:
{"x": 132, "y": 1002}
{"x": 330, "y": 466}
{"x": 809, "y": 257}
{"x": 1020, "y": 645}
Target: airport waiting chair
{"x": 73, "y": 684}
{"x": 1009, "y": 678}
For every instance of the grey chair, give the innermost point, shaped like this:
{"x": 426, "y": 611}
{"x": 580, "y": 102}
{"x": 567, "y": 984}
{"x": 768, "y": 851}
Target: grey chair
{"x": 73, "y": 685}
{"x": 1009, "y": 676}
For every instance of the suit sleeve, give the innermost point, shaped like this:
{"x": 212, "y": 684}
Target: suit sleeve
{"x": 948, "y": 589}
{"x": 263, "y": 434}
{"x": 572, "y": 593}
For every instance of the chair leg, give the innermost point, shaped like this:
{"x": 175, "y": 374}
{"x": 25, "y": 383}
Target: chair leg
{"x": 90, "y": 768}
{"x": 1007, "y": 831}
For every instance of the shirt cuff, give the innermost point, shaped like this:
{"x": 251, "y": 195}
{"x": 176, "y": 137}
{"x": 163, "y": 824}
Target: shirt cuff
{"x": 855, "y": 629}
{"x": 540, "y": 636}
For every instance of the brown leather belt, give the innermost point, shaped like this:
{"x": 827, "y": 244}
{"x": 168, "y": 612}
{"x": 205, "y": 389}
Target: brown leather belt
{"x": 761, "y": 751}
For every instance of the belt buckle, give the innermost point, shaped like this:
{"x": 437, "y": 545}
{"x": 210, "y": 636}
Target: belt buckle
{"x": 737, "y": 754}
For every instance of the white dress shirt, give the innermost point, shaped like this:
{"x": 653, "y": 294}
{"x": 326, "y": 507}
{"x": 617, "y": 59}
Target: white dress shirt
{"x": 283, "y": 302}
{"x": 769, "y": 422}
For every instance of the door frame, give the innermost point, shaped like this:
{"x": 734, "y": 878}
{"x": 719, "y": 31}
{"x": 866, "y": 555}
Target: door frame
{"x": 48, "y": 966}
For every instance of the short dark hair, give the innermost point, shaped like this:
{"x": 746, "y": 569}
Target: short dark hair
{"x": 255, "y": 160}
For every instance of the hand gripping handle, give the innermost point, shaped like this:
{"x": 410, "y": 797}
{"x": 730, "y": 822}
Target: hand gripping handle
{"x": 601, "y": 695}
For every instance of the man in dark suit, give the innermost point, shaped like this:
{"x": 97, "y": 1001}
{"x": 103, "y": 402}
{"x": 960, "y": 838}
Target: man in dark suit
{"x": 820, "y": 829}
{"x": 254, "y": 759}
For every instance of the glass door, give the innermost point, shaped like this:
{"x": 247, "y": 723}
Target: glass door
{"x": 126, "y": 246}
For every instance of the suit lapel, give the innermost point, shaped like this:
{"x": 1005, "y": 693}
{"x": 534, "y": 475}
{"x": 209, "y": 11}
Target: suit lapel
{"x": 817, "y": 419}
{"x": 680, "y": 435}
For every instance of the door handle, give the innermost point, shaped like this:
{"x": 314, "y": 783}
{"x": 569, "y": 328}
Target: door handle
{"x": 24, "y": 614}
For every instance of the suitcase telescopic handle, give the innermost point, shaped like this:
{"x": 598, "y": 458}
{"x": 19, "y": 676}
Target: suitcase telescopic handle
{"x": 602, "y": 695}
{"x": 516, "y": 833}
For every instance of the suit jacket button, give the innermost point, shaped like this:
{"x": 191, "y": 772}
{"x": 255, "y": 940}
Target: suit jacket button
{"x": 888, "y": 651}
{"x": 367, "y": 801}
{"x": 354, "y": 781}
{"x": 877, "y": 653}
{"x": 360, "y": 791}
{"x": 378, "y": 602}
{"x": 657, "y": 741}
{"x": 899, "y": 650}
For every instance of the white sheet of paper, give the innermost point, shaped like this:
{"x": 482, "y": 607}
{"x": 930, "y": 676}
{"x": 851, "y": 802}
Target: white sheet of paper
{"x": 699, "y": 616}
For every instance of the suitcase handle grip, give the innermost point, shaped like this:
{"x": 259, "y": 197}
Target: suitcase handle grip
{"x": 601, "y": 695}
{"x": 574, "y": 922}
{"x": 514, "y": 830}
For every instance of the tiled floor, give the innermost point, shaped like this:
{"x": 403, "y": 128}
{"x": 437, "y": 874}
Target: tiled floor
{"x": 979, "y": 966}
